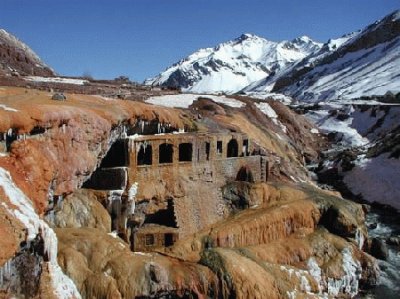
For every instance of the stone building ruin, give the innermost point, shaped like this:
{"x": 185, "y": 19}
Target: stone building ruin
{"x": 165, "y": 186}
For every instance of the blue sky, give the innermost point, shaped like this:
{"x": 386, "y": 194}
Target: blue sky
{"x": 140, "y": 38}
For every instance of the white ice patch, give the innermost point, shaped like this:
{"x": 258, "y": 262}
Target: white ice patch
{"x": 270, "y": 113}
{"x": 316, "y": 273}
{"x": 185, "y": 100}
{"x": 23, "y": 210}
{"x": 348, "y": 284}
{"x": 2, "y": 106}
{"x": 314, "y": 131}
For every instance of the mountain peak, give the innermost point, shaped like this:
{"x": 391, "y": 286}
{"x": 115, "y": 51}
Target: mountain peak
{"x": 394, "y": 16}
{"x": 248, "y": 36}
{"x": 303, "y": 39}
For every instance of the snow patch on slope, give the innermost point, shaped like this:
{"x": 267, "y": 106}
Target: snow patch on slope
{"x": 376, "y": 179}
{"x": 185, "y": 100}
{"x": 2, "y": 106}
{"x": 56, "y": 80}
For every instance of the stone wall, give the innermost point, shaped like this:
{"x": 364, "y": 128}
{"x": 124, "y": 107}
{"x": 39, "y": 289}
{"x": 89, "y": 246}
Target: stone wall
{"x": 145, "y": 240}
{"x": 199, "y": 143}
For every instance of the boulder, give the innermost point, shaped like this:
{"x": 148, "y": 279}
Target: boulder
{"x": 59, "y": 97}
{"x": 81, "y": 209}
{"x": 379, "y": 249}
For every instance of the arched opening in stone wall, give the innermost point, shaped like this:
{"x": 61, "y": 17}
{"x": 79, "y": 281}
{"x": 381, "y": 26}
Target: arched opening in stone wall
{"x": 185, "y": 152}
{"x": 145, "y": 154}
{"x": 233, "y": 148}
{"x": 245, "y": 175}
{"x": 166, "y": 153}
{"x": 165, "y": 217}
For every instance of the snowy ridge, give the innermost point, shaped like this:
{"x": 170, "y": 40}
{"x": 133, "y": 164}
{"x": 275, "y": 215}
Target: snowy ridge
{"x": 9, "y": 40}
{"x": 368, "y": 72}
{"x": 364, "y": 63}
{"x": 266, "y": 85}
{"x": 231, "y": 66}
{"x": 23, "y": 210}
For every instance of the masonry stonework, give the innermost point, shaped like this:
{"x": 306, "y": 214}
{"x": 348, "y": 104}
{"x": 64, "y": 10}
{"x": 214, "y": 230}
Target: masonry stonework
{"x": 187, "y": 169}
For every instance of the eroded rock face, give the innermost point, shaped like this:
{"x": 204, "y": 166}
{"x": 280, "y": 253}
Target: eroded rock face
{"x": 80, "y": 209}
{"x": 284, "y": 240}
{"x": 103, "y": 266}
{"x": 276, "y": 250}
{"x": 55, "y": 149}
{"x": 72, "y": 138}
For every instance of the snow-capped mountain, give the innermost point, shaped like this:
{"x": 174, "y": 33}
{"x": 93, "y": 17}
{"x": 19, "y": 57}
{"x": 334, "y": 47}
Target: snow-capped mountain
{"x": 364, "y": 63}
{"x": 17, "y": 58}
{"x": 231, "y": 66}
{"x": 266, "y": 84}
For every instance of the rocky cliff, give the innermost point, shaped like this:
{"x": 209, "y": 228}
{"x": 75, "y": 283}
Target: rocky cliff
{"x": 16, "y": 58}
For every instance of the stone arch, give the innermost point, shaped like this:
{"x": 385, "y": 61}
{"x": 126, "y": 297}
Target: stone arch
{"x": 145, "y": 154}
{"x": 232, "y": 149}
{"x": 165, "y": 153}
{"x": 245, "y": 175}
{"x": 185, "y": 151}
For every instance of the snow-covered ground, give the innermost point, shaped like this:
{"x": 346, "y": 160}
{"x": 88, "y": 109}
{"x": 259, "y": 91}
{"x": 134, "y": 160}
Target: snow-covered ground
{"x": 56, "y": 80}
{"x": 376, "y": 179}
{"x": 187, "y": 99}
{"x": 271, "y": 95}
{"x": 367, "y": 72}
{"x": 364, "y": 127}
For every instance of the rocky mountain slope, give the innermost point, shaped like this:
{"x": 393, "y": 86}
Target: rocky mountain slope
{"x": 366, "y": 63}
{"x": 231, "y": 66}
{"x": 17, "y": 58}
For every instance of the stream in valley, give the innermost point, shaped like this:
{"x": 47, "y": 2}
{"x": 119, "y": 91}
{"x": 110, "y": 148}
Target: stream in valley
{"x": 383, "y": 224}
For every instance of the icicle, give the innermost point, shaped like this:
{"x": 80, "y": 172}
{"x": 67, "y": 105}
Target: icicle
{"x": 142, "y": 125}
{"x": 63, "y": 128}
{"x": 10, "y": 132}
{"x": 159, "y": 128}
{"x": 131, "y": 198}
{"x": 124, "y": 134}
{"x": 359, "y": 238}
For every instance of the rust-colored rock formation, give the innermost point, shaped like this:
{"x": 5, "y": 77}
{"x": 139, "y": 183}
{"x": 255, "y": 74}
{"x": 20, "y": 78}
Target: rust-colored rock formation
{"x": 239, "y": 236}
